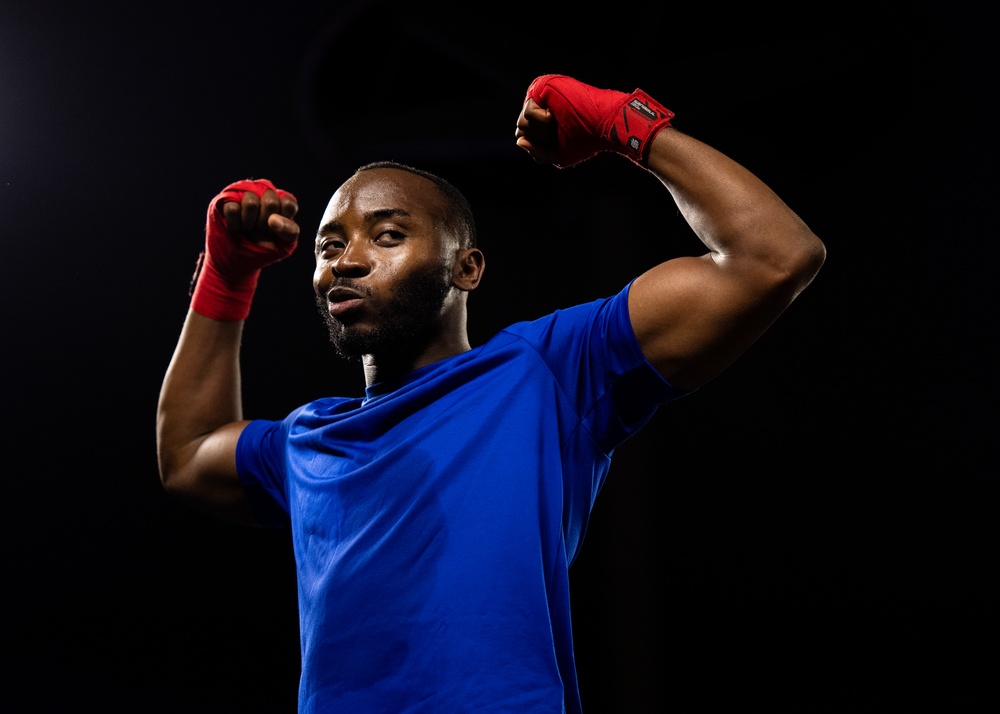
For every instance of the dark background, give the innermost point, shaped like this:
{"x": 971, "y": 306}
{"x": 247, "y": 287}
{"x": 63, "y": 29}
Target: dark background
{"x": 814, "y": 531}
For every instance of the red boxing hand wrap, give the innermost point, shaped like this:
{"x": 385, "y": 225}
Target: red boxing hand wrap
{"x": 225, "y": 277}
{"x": 590, "y": 120}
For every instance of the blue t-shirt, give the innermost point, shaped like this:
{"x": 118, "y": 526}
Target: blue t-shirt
{"x": 434, "y": 520}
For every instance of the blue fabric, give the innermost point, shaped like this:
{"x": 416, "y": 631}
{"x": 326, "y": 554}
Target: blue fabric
{"x": 434, "y": 520}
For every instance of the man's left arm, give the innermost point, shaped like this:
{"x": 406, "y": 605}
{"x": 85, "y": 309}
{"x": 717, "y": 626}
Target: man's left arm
{"x": 694, "y": 316}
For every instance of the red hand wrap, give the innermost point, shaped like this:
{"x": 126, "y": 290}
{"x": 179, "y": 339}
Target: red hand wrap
{"x": 590, "y": 120}
{"x": 225, "y": 277}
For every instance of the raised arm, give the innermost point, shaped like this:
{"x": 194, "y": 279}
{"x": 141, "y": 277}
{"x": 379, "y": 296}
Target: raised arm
{"x": 693, "y": 316}
{"x": 199, "y": 415}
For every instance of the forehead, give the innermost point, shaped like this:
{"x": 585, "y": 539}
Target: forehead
{"x": 377, "y": 190}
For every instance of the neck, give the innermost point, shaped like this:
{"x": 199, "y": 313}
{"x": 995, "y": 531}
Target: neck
{"x": 449, "y": 336}
{"x": 397, "y": 364}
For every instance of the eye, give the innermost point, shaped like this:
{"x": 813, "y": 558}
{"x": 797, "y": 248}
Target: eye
{"x": 329, "y": 245}
{"x": 389, "y": 236}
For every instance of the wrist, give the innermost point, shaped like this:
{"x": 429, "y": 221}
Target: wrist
{"x": 590, "y": 120}
{"x": 218, "y": 297}
{"x": 631, "y": 130}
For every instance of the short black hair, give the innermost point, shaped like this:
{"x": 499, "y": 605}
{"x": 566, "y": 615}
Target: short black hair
{"x": 459, "y": 209}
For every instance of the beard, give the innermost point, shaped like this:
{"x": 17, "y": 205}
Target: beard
{"x": 409, "y": 318}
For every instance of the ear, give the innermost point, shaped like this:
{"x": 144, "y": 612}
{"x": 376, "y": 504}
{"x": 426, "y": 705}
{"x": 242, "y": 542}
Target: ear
{"x": 468, "y": 271}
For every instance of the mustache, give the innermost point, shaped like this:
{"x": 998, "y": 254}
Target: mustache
{"x": 349, "y": 284}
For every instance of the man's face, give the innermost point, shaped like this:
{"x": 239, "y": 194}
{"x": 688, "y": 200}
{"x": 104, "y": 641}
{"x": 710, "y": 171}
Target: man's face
{"x": 383, "y": 274}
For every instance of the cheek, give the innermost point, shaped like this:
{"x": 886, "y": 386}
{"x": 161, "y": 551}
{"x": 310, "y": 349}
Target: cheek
{"x": 391, "y": 274}
{"x": 321, "y": 276}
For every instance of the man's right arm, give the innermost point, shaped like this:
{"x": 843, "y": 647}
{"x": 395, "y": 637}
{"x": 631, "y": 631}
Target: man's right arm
{"x": 199, "y": 415}
{"x": 199, "y": 418}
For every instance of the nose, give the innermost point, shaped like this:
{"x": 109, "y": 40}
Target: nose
{"x": 353, "y": 261}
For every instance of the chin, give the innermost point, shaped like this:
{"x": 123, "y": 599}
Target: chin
{"x": 349, "y": 342}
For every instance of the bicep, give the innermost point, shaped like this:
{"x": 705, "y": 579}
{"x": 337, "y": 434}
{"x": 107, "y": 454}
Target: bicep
{"x": 693, "y": 316}
{"x": 206, "y": 475}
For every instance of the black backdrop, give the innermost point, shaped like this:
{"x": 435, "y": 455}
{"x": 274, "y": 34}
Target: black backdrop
{"x": 814, "y": 531}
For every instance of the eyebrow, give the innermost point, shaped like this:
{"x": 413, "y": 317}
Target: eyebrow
{"x": 368, "y": 218}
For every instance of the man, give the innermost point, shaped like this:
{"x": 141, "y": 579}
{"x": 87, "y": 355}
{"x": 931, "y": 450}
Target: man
{"x": 435, "y": 518}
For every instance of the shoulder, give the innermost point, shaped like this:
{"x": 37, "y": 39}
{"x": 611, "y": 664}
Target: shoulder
{"x": 599, "y": 326}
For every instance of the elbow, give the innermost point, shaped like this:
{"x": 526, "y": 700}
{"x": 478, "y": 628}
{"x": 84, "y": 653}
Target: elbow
{"x": 170, "y": 479}
{"x": 816, "y": 257}
{"x": 174, "y": 479}
{"x": 805, "y": 262}
{"x": 184, "y": 488}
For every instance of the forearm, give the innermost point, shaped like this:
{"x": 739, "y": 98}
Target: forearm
{"x": 739, "y": 218}
{"x": 199, "y": 396}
